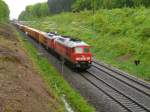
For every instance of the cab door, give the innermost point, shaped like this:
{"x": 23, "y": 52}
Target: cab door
{"x": 69, "y": 53}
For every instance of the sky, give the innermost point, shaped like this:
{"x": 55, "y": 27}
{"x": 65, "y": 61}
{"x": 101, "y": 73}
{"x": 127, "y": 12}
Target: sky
{"x": 17, "y": 6}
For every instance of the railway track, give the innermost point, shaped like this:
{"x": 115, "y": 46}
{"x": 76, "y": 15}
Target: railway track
{"x": 124, "y": 75}
{"x": 131, "y": 94}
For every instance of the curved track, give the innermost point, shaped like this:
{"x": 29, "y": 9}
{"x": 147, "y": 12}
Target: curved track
{"x": 131, "y": 94}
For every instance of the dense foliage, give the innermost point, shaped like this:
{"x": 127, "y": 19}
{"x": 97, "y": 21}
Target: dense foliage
{"x": 33, "y": 11}
{"x": 57, "y": 6}
{"x": 4, "y": 11}
{"x": 108, "y": 4}
{"x": 119, "y": 36}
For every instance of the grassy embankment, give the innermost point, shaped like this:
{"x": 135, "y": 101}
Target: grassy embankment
{"x": 55, "y": 80}
{"x": 119, "y": 36}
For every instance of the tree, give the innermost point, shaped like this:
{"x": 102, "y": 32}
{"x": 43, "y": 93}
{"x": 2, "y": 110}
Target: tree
{"x": 57, "y": 6}
{"x": 33, "y": 11}
{"x": 108, "y": 4}
{"x": 4, "y": 11}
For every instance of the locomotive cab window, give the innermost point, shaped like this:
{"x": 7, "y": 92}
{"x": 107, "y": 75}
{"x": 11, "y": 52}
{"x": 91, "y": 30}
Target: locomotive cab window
{"x": 78, "y": 50}
{"x": 86, "y": 50}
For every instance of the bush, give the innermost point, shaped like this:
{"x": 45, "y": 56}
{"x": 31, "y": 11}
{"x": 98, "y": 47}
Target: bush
{"x": 145, "y": 34}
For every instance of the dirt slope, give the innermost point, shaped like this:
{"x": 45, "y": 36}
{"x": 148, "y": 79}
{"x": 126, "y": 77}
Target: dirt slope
{"x": 21, "y": 87}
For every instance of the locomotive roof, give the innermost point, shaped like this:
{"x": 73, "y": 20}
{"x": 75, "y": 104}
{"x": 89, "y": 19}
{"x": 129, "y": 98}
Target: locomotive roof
{"x": 52, "y": 35}
{"x": 70, "y": 42}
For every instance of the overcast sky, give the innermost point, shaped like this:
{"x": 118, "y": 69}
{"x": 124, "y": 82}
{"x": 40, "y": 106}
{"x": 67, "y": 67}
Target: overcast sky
{"x": 17, "y": 6}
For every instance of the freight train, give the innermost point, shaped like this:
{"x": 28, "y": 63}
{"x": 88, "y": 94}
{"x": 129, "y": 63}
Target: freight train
{"x": 74, "y": 51}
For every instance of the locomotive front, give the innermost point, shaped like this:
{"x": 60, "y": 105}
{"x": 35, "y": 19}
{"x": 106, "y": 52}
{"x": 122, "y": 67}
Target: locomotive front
{"x": 82, "y": 56}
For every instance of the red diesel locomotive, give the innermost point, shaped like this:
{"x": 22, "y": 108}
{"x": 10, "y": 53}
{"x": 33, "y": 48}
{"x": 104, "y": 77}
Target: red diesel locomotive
{"x": 74, "y": 51}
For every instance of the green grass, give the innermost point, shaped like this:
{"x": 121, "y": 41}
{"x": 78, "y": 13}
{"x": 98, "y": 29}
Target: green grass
{"x": 115, "y": 34}
{"x": 56, "y": 81}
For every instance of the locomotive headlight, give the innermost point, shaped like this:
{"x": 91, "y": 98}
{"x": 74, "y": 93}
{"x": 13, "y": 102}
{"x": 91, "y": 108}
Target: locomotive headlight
{"x": 88, "y": 58}
{"x": 78, "y": 58}
{"x": 82, "y": 58}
